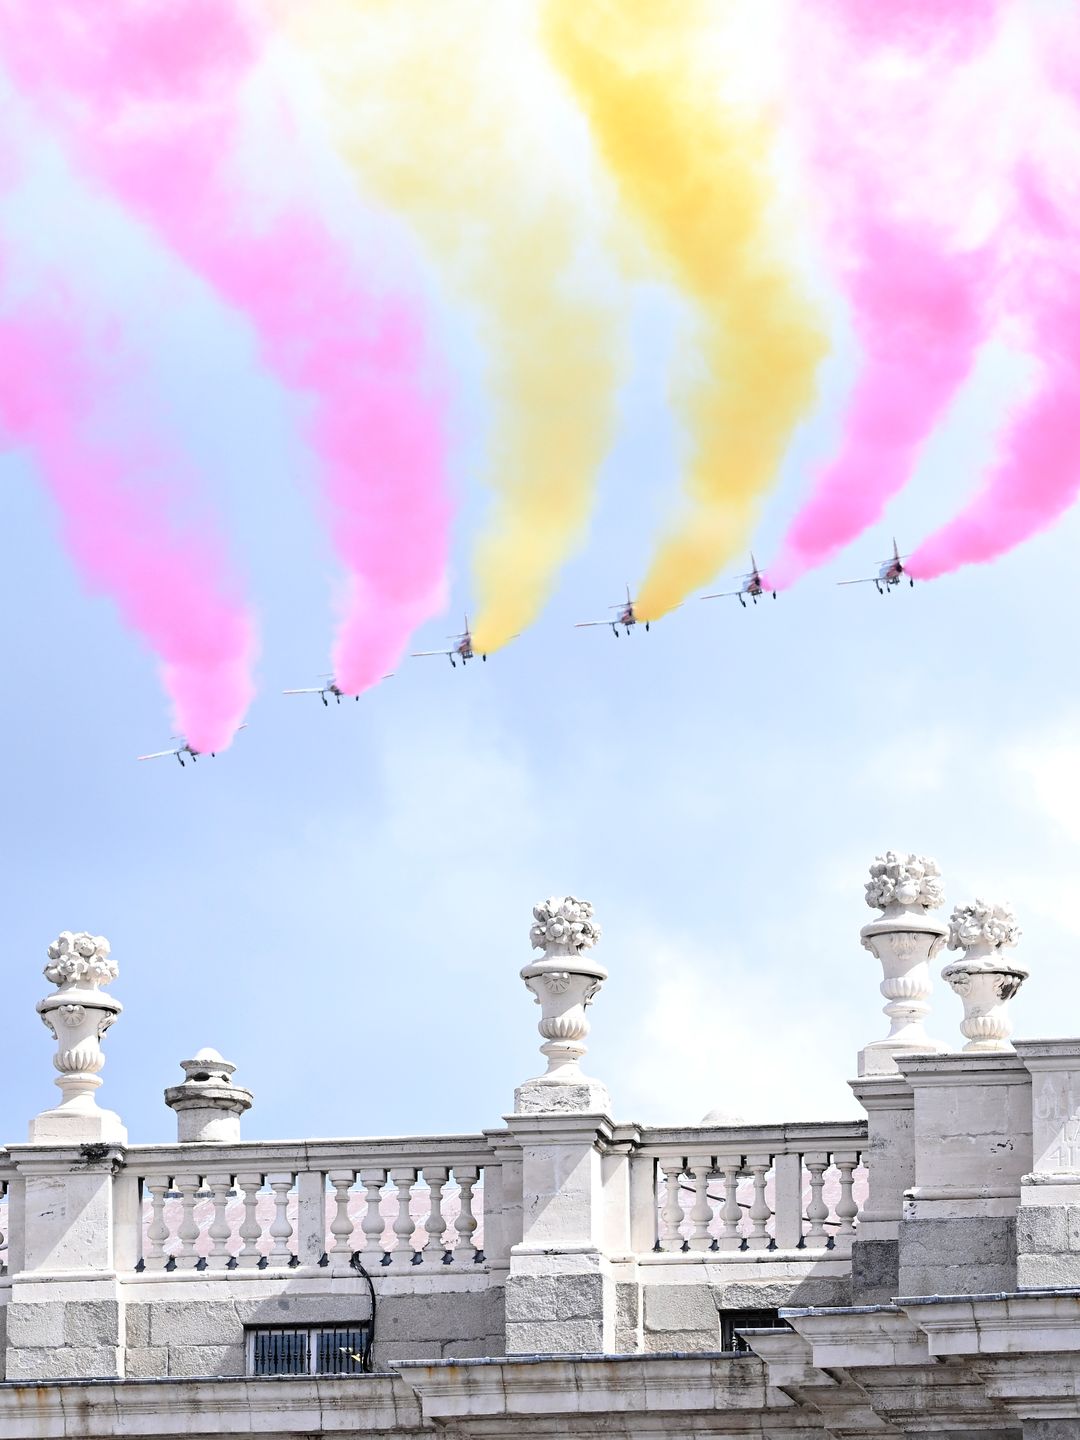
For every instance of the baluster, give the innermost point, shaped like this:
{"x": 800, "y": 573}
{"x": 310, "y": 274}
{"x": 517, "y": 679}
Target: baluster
{"x": 372, "y": 1223}
{"x": 250, "y": 1229}
{"x": 404, "y": 1224}
{"x": 700, "y": 1167}
{"x": 341, "y": 1227}
{"x": 188, "y": 1232}
{"x": 281, "y": 1229}
{"x": 158, "y": 1232}
{"x": 220, "y": 1230}
{"x": 672, "y": 1215}
{"x": 760, "y": 1210}
{"x": 435, "y": 1224}
{"x": 465, "y": 1223}
{"x": 730, "y": 1214}
{"x": 4, "y": 1233}
{"x": 847, "y": 1207}
{"x": 817, "y": 1212}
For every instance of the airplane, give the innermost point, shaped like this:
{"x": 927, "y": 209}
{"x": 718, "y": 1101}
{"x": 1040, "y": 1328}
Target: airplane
{"x": 323, "y": 691}
{"x": 462, "y": 648}
{"x": 182, "y": 749}
{"x": 626, "y": 618}
{"x": 889, "y": 574}
{"x": 753, "y": 585}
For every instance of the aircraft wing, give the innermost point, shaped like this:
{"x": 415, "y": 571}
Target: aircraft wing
{"x": 420, "y": 654}
{"x": 158, "y": 754}
{"x": 312, "y": 690}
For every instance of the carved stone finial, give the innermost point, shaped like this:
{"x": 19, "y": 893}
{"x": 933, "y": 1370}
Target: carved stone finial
{"x": 77, "y": 1014}
{"x": 80, "y": 959}
{"x": 563, "y": 982}
{"x": 983, "y": 978}
{"x": 563, "y": 925}
{"x": 904, "y": 880}
{"x": 905, "y": 938}
{"x": 208, "y": 1105}
{"x": 983, "y": 927}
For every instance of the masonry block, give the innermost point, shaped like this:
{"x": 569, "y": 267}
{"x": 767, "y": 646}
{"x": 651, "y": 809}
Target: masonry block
{"x": 681, "y": 1308}
{"x": 206, "y": 1359}
{"x": 194, "y": 1322}
{"x": 875, "y": 1271}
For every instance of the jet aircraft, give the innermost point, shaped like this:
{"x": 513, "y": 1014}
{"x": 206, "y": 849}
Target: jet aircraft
{"x": 462, "y": 648}
{"x": 182, "y": 748}
{"x": 324, "y": 691}
{"x": 626, "y": 618}
{"x": 753, "y": 585}
{"x": 889, "y": 574}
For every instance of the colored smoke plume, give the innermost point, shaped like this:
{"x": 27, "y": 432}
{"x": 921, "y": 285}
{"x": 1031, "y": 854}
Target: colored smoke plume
{"x": 150, "y": 98}
{"x": 918, "y": 296}
{"x": 172, "y": 587}
{"x": 695, "y": 171}
{"x": 443, "y": 112}
{"x": 1035, "y": 476}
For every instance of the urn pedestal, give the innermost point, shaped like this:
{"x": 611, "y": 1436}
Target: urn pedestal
{"x": 905, "y": 939}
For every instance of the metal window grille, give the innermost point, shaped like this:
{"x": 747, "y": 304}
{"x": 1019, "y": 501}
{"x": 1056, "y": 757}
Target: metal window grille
{"x": 732, "y": 1321}
{"x": 307, "y": 1350}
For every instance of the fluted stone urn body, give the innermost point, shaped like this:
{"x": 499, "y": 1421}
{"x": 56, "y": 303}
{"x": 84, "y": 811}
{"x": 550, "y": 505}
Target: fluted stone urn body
{"x": 905, "y": 938}
{"x": 984, "y": 978}
{"x": 563, "y": 983}
{"x": 78, "y": 1015}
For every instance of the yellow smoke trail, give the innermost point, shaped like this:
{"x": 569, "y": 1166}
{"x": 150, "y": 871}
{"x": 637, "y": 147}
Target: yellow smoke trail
{"x": 695, "y": 170}
{"x": 450, "y": 113}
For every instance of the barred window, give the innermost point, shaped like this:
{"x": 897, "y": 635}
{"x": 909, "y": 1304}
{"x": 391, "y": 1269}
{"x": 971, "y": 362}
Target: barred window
{"x": 732, "y": 1321}
{"x": 307, "y": 1349}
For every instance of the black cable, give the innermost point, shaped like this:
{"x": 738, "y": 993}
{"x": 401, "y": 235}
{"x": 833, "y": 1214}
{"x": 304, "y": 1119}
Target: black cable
{"x": 369, "y": 1344}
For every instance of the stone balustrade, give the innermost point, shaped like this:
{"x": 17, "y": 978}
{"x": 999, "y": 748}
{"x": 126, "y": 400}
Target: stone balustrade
{"x": 394, "y": 1203}
{"x": 740, "y": 1189}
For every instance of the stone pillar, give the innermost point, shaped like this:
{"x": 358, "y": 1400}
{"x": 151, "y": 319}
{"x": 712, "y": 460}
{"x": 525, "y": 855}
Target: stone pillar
{"x": 73, "y": 1205}
{"x": 972, "y": 1149}
{"x": 208, "y": 1105}
{"x": 1048, "y": 1229}
{"x": 563, "y": 983}
{"x": 983, "y": 978}
{"x": 560, "y": 1292}
{"x": 905, "y": 888}
{"x": 889, "y": 1155}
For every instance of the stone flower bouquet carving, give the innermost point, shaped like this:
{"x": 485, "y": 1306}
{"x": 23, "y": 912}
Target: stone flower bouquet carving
{"x": 564, "y": 925}
{"x": 80, "y": 959}
{"x": 904, "y": 880}
{"x": 981, "y": 930}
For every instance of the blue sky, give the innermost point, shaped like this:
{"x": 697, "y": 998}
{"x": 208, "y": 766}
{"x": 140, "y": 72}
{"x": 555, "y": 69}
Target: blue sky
{"x": 341, "y": 903}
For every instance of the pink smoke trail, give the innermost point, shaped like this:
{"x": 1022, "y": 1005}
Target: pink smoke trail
{"x": 919, "y": 306}
{"x": 150, "y": 97}
{"x": 1036, "y": 475}
{"x": 172, "y": 588}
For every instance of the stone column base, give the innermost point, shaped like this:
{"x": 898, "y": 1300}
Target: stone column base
{"x": 543, "y": 1097}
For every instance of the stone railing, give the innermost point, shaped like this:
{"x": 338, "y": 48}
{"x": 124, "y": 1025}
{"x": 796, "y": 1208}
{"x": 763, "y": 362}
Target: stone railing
{"x": 396, "y": 1203}
{"x": 4, "y": 1224}
{"x": 738, "y": 1189}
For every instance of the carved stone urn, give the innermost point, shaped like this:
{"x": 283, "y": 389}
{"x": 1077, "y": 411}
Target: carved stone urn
{"x": 983, "y": 978}
{"x": 563, "y": 983}
{"x": 906, "y": 937}
{"x": 77, "y": 1015}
